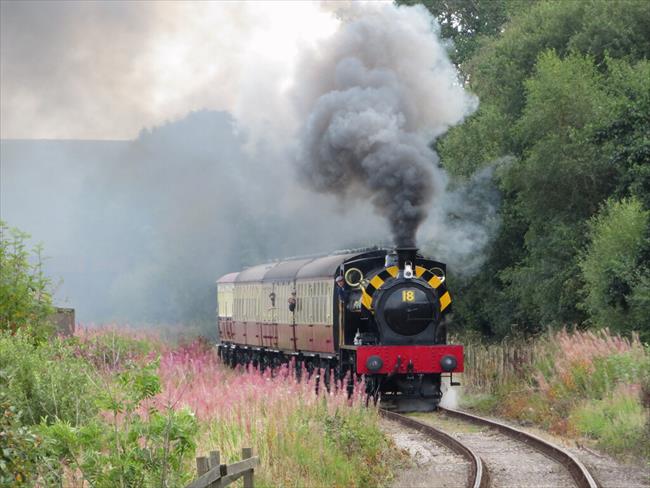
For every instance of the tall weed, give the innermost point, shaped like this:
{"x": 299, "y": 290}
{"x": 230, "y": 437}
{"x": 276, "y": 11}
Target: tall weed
{"x": 46, "y": 382}
{"x": 123, "y": 447}
{"x": 585, "y": 383}
{"x": 616, "y": 422}
{"x": 303, "y": 438}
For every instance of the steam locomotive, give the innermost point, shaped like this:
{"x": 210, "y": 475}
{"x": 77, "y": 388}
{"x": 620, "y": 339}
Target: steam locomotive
{"x": 377, "y": 313}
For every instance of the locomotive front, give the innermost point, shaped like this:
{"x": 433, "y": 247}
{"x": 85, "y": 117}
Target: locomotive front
{"x": 402, "y": 350}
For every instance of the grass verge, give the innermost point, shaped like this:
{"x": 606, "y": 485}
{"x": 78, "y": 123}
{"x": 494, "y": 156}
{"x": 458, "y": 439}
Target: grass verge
{"x": 116, "y": 408}
{"x": 588, "y": 385}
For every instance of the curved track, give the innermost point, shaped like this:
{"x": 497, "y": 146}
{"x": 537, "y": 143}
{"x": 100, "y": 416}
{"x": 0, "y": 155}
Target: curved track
{"x": 478, "y": 474}
{"x": 579, "y": 473}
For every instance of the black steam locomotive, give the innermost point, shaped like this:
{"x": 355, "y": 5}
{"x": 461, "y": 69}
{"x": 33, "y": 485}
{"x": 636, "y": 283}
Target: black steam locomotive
{"x": 376, "y": 313}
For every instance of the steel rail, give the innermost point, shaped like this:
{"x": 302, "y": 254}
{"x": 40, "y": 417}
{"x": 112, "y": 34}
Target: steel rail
{"x": 478, "y": 473}
{"x": 578, "y": 471}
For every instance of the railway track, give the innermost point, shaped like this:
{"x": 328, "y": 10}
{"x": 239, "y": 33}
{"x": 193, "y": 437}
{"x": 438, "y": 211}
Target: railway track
{"x": 478, "y": 458}
{"x": 477, "y": 476}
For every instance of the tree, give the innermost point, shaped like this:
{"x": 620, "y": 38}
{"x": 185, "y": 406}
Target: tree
{"x": 617, "y": 281}
{"x": 564, "y": 89}
{"x": 464, "y": 21}
{"x": 628, "y": 132}
{"x": 25, "y": 299}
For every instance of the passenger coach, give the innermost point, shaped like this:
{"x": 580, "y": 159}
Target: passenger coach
{"x": 375, "y": 313}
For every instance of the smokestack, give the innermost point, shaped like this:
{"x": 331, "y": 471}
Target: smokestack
{"x": 406, "y": 255}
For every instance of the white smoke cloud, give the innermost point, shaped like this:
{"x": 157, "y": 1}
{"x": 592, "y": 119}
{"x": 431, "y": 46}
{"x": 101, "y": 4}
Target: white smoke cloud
{"x": 139, "y": 229}
{"x": 104, "y": 70}
{"x": 464, "y": 222}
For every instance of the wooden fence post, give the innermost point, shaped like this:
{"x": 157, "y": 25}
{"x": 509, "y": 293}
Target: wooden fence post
{"x": 249, "y": 477}
{"x": 215, "y": 459}
{"x": 213, "y": 474}
{"x": 215, "y": 462}
{"x": 202, "y": 465}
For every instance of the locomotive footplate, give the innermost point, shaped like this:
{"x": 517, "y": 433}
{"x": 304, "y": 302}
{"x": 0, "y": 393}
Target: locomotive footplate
{"x": 410, "y": 360}
{"x": 407, "y": 378}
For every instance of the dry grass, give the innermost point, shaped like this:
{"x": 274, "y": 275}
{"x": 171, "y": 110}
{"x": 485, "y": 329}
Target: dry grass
{"x": 581, "y": 383}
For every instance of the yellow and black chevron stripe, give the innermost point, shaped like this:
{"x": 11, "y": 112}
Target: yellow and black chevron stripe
{"x": 375, "y": 284}
{"x": 436, "y": 283}
{"x": 380, "y": 278}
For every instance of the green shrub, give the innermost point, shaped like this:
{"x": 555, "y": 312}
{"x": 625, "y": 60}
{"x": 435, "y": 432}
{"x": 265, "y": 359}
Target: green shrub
{"x": 617, "y": 422}
{"x": 581, "y": 383}
{"x": 20, "y": 454}
{"x": 47, "y": 381}
{"x": 617, "y": 284}
{"x": 25, "y": 299}
{"x": 127, "y": 448}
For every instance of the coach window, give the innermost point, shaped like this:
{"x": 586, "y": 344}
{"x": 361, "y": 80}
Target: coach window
{"x": 309, "y": 302}
{"x": 251, "y": 298}
{"x": 249, "y": 303}
{"x": 244, "y": 298}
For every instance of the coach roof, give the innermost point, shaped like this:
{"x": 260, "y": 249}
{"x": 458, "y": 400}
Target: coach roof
{"x": 254, "y": 273}
{"x": 228, "y": 278}
{"x": 300, "y": 269}
{"x": 286, "y": 270}
{"x": 324, "y": 267}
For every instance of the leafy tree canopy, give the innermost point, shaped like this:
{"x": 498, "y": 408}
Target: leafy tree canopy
{"x": 564, "y": 92}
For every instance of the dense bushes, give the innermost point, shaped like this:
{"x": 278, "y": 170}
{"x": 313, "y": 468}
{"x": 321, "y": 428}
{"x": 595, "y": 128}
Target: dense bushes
{"x": 564, "y": 91}
{"x": 582, "y": 383}
{"x": 20, "y": 452}
{"x": 115, "y": 408}
{"x": 47, "y": 382}
{"x": 25, "y": 299}
{"x": 128, "y": 445}
{"x": 617, "y": 281}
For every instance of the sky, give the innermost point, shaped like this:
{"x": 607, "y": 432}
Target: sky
{"x": 105, "y": 70}
{"x": 153, "y": 146}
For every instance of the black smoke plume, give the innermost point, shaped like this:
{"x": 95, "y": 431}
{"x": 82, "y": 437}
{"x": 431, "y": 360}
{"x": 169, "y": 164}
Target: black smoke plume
{"x": 374, "y": 96}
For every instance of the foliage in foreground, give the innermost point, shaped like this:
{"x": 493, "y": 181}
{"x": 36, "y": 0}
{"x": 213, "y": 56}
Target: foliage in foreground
{"x": 25, "y": 298}
{"x": 302, "y": 438}
{"x": 586, "y": 384}
{"x": 47, "y": 381}
{"x": 123, "y": 410}
{"x": 126, "y": 446}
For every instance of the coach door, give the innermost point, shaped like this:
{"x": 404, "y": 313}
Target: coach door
{"x": 270, "y": 316}
{"x": 284, "y": 317}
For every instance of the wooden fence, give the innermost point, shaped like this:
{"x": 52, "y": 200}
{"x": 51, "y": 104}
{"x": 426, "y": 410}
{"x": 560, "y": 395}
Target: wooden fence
{"x": 489, "y": 366}
{"x": 213, "y": 474}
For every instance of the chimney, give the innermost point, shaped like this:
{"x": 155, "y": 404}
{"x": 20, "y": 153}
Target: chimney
{"x": 406, "y": 254}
